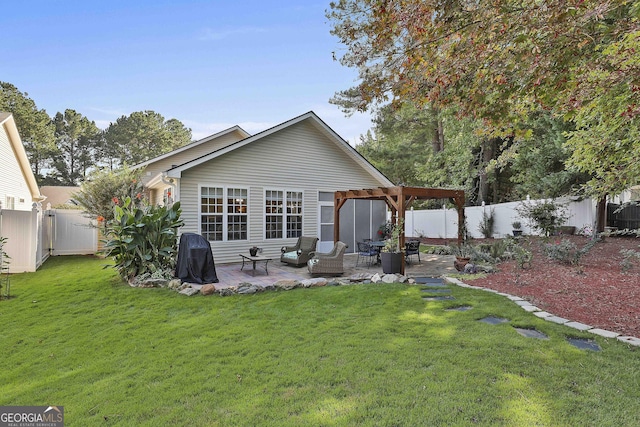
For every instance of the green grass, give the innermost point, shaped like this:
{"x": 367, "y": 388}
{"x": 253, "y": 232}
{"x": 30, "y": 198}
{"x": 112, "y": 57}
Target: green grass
{"x": 371, "y": 355}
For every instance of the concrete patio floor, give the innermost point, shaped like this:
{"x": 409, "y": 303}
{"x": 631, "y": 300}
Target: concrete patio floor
{"x": 231, "y": 275}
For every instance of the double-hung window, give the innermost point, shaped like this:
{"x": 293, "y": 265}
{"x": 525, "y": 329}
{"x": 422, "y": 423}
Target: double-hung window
{"x": 283, "y": 214}
{"x": 223, "y": 213}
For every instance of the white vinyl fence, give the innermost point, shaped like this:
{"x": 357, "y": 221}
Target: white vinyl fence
{"x": 33, "y": 236}
{"x": 443, "y": 223}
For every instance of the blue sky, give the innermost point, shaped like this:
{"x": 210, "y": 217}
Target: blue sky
{"x": 209, "y": 64}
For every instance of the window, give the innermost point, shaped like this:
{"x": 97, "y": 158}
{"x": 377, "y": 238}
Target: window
{"x": 167, "y": 197}
{"x": 223, "y": 213}
{"x": 283, "y": 214}
{"x": 10, "y": 202}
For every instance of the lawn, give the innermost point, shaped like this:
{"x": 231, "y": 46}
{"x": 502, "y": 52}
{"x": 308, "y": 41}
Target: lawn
{"x": 370, "y": 355}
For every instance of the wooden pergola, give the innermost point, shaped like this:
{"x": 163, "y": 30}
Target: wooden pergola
{"x": 398, "y": 199}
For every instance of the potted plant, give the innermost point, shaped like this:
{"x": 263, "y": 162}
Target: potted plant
{"x": 463, "y": 254}
{"x": 391, "y": 254}
{"x": 517, "y": 228}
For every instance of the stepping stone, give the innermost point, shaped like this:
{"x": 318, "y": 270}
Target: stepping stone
{"x": 429, "y": 280}
{"x": 435, "y": 285}
{"x": 461, "y": 308}
{"x": 442, "y": 298}
{"x": 531, "y": 333}
{"x": 584, "y": 344}
{"x": 441, "y": 291}
{"x": 492, "y": 320}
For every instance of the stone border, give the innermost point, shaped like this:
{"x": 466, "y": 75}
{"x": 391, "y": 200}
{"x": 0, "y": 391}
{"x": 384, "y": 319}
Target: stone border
{"x": 527, "y": 306}
{"x": 246, "y": 288}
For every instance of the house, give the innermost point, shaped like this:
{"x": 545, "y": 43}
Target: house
{"x": 18, "y": 186}
{"x": 266, "y": 190}
{"x": 59, "y": 196}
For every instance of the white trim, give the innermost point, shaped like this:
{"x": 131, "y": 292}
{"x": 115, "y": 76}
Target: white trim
{"x": 237, "y": 128}
{"x": 284, "y": 212}
{"x": 7, "y": 120}
{"x": 225, "y": 214}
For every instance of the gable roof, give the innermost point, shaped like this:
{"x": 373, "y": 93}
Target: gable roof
{"x": 311, "y": 117}
{"x": 189, "y": 146}
{"x": 9, "y": 124}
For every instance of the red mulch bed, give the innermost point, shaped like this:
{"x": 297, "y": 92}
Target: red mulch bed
{"x": 596, "y": 292}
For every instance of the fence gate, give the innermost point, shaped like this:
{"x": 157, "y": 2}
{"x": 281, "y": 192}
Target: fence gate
{"x": 69, "y": 232}
{"x": 628, "y": 217}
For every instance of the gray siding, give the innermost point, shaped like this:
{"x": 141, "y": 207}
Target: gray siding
{"x": 189, "y": 154}
{"x": 297, "y": 158}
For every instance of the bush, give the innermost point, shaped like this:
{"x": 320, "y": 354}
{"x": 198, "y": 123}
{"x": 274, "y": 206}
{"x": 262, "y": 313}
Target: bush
{"x": 630, "y": 258}
{"x": 486, "y": 224}
{"x": 567, "y": 252}
{"x": 143, "y": 239}
{"x": 544, "y": 216}
{"x": 97, "y": 193}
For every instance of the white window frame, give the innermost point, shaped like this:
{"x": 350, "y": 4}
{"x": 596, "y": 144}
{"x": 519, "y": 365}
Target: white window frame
{"x": 225, "y": 214}
{"x": 284, "y": 213}
{"x": 9, "y": 202}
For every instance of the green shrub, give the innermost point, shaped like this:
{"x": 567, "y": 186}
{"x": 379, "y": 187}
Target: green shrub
{"x": 98, "y": 191}
{"x": 142, "y": 239}
{"x": 567, "y": 252}
{"x": 545, "y": 216}
{"x": 486, "y": 223}
{"x": 630, "y": 257}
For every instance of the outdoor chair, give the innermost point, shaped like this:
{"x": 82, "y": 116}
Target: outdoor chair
{"x": 365, "y": 250}
{"x": 299, "y": 254}
{"x": 412, "y": 248}
{"x": 330, "y": 263}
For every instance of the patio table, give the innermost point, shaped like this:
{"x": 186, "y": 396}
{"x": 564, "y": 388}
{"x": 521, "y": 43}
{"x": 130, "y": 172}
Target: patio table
{"x": 254, "y": 260}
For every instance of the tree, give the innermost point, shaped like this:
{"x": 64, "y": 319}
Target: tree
{"x": 538, "y": 163}
{"x": 102, "y": 187}
{"x": 498, "y": 61}
{"x": 400, "y": 145}
{"x": 76, "y": 138}
{"x": 142, "y": 136}
{"x": 34, "y": 125}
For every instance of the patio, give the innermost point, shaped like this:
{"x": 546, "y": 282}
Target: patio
{"x": 231, "y": 275}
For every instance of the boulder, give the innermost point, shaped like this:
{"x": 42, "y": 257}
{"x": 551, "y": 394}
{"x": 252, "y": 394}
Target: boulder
{"x": 225, "y": 292}
{"x": 189, "y": 291}
{"x": 248, "y": 288}
{"x": 360, "y": 277}
{"x": 314, "y": 283}
{"x": 174, "y": 284}
{"x": 208, "y": 289}
{"x": 389, "y": 278}
{"x": 286, "y": 285}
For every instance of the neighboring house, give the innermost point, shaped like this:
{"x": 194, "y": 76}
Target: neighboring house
{"x": 240, "y": 190}
{"x": 60, "y": 197}
{"x": 18, "y": 186}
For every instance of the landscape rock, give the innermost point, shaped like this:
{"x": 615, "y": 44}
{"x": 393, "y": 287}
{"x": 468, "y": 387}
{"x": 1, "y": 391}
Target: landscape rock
{"x": 314, "y": 283}
{"x": 225, "y": 292}
{"x": 360, "y": 277}
{"x": 470, "y": 269}
{"x": 286, "y": 285}
{"x": 174, "y": 284}
{"x": 389, "y": 278}
{"x": 248, "y": 288}
{"x": 189, "y": 291}
{"x": 208, "y": 289}
{"x": 376, "y": 278}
